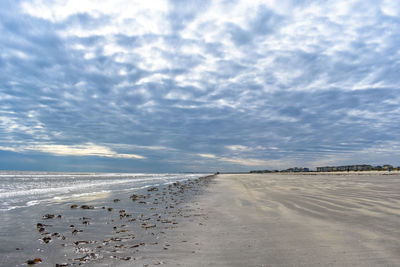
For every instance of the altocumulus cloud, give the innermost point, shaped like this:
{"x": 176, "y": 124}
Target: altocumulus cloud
{"x": 199, "y": 85}
{"x": 74, "y": 150}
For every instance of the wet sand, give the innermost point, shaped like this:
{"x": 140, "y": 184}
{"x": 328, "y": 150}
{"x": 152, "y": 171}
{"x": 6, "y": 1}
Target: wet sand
{"x": 292, "y": 220}
{"x": 103, "y": 230}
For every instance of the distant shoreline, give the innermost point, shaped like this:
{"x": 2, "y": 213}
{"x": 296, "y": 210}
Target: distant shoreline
{"x": 393, "y": 172}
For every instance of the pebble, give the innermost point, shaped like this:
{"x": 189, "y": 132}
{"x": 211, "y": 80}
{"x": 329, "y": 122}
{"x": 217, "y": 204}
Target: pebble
{"x": 34, "y": 261}
{"x": 46, "y": 239}
{"x": 152, "y": 189}
{"x": 48, "y": 216}
{"x": 87, "y": 207}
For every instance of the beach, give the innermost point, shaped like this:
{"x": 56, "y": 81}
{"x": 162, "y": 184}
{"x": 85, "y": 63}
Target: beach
{"x": 297, "y": 220}
{"x": 341, "y": 219}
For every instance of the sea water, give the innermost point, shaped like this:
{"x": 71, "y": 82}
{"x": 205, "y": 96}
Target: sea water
{"x": 24, "y": 189}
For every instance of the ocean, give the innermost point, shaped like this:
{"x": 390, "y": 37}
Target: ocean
{"x": 24, "y": 189}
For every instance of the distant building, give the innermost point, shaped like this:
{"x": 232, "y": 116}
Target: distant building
{"x": 362, "y": 167}
{"x": 297, "y": 169}
{"x": 261, "y": 171}
{"x": 387, "y": 167}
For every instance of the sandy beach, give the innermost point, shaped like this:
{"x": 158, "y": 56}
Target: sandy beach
{"x": 292, "y": 220}
{"x": 225, "y": 220}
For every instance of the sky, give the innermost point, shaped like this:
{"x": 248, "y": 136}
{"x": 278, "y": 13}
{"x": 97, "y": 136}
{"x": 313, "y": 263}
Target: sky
{"x": 181, "y": 86}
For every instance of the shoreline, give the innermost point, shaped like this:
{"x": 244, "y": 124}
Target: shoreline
{"x": 115, "y": 229}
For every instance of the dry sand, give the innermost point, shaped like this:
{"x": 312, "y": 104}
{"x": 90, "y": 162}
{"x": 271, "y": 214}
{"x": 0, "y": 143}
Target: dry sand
{"x": 291, "y": 220}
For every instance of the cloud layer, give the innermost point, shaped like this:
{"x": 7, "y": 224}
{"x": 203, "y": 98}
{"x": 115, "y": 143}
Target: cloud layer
{"x": 200, "y": 85}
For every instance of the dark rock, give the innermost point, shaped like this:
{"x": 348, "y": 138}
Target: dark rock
{"x": 48, "y": 216}
{"x": 135, "y": 197}
{"x": 46, "y": 239}
{"x": 147, "y": 226}
{"x": 81, "y": 242}
{"x": 152, "y": 189}
{"x": 34, "y": 261}
{"x": 87, "y": 207}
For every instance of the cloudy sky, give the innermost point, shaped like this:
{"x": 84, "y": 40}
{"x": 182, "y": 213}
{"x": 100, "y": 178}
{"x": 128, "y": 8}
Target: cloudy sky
{"x": 164, "y": 86}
